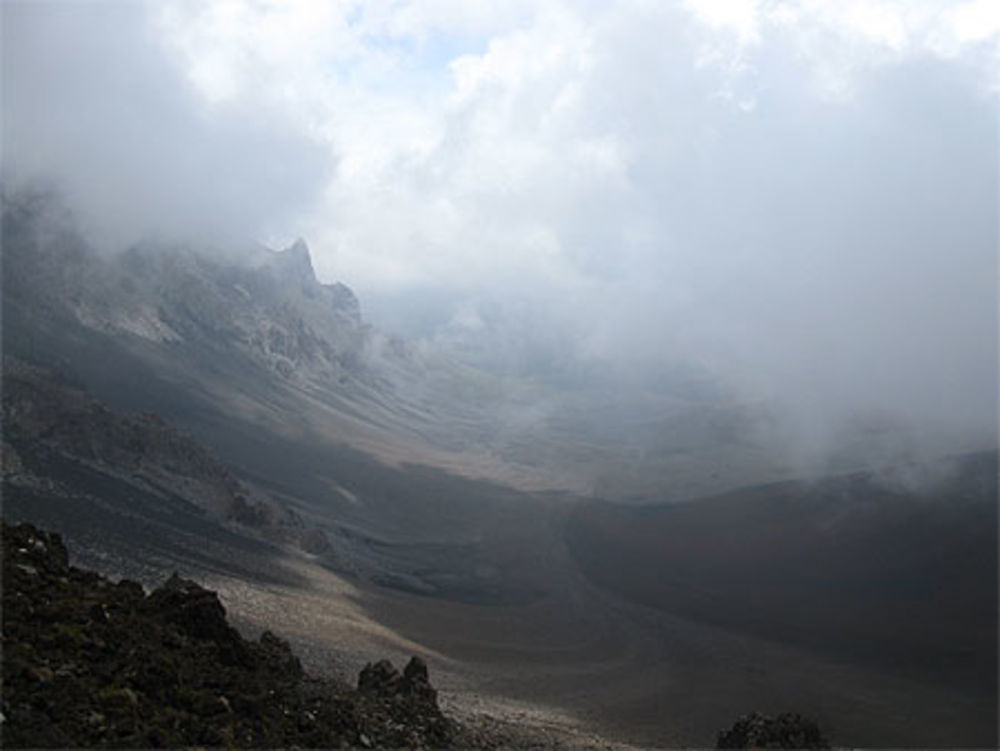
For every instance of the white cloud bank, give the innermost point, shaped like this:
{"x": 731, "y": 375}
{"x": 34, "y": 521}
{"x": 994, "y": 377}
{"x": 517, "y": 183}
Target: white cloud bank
{"x": 801, "y": 195}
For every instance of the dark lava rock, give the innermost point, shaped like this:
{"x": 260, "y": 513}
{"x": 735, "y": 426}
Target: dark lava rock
{"x": 192, "y": 608}
{"x": 379, "y": 679}
{"x": 415, "y": 671}
{"x": 416, "y": 681}
{"x": 29, "y": 547}
{"x": 276, "y": 651}
{"x": 787, "y": 730}
{"x": 411, "y": 697}
{"x": 382, "y": 679}
{"x": 91, "y": 663}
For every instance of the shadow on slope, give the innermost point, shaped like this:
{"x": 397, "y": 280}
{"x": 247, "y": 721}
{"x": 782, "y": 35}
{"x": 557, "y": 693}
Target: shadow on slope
{"x": 846, "y": 566}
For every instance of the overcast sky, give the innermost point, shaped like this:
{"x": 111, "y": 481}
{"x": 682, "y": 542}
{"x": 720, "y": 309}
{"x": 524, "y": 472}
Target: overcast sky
{"x": 802, "y": 196}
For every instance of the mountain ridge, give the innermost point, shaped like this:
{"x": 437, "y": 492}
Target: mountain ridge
{"x": 254, "y": 333}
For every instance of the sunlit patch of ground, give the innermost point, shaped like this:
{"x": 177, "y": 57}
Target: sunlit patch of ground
{"x": 334, "y": 634}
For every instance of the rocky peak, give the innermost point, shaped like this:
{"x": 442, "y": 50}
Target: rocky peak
{"x": 235, "y": 300}
{"x": 296, "y": 261}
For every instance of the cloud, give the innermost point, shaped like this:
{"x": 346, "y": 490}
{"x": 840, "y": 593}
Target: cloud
{"x": 841, "y": 42}
{"x": 93, "y": 102}
{"x": 800, "y": 196}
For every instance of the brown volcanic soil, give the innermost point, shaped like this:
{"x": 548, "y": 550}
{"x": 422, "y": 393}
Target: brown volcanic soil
{"x": 654, "y": 626}
{"x": 847, "y": 566}
{"x": 583, "y": 668}
{"x": 576, "y": 666}
{"x": 651, "y": 678}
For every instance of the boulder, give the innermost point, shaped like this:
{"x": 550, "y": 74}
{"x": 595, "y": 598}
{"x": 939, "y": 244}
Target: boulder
{"x": 787, "y": 730}
{"x": 196, "y": 611}
{"x": 379, "y": 679}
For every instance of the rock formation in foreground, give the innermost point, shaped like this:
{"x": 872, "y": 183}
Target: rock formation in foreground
{"x": 91, "y": 662}
{"x": 787, "y": 730}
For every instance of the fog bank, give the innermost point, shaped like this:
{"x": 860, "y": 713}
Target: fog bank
{"x": 800, "y": 199}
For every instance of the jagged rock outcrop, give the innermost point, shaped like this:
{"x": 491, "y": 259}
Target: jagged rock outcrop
{"x": 413, "y": 699}
{"x": 382, "y": 679}
{"x": 90, "y": 662}
{"x": 787, "y": 730}
{"x": 193, "y": 609}
{"x": 296, "y": 262}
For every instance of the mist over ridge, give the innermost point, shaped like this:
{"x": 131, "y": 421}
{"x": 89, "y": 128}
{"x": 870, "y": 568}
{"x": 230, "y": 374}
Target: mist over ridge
{"x": 796, "y": 209}
{"x": 628, "y": 367}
